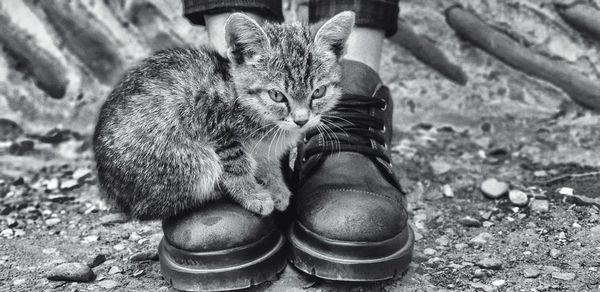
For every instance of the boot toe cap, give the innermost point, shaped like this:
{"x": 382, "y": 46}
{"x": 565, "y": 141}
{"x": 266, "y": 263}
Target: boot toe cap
{"x": 218, "y": 226}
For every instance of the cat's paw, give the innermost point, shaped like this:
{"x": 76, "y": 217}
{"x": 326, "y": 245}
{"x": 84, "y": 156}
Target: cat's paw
{"x": 261, "y": 204}
{"x": 281, "y": 198}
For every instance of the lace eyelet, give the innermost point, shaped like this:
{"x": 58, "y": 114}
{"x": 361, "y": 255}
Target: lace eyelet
{"x": 385, "y": 145}
{"x": 305, "y": 140}
{"x": 303, "y": 159}
{"x": 384, "y": 105}
{"x": 384, "y": 129}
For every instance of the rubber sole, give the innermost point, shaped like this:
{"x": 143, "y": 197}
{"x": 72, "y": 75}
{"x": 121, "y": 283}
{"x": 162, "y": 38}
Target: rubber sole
{"x": 223, "y": 270}
{"x": 349, "y": 261}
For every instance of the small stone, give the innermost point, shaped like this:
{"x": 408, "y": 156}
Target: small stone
{"x": 19, "y": 232}
{"x": 115, "y": 270}
{"x": 540, "y": 205}
{"x": 576, "y": 225}
{"x": 7, "y": 232}
{"x": 563, "y": 276}
{"x": 518, "y": 198}
{"x": 97, "y": 260}
{"x": 443, "y": 240}
{"x": 498, "y": 283}
{"x": 52, "y": 184}
{"x": 115, "y": 218}
{"x": 18, "y": 282}
{"x": 493, "y": 188}
{"x": 119, "y": 247}
{"x": 91, "y": 238}
{"x": 81, "y": 174}
{"x": 540, "y": 173}
{"x": 11, "y": 222}
{"x": 69, "y": 184}
{"x": 73, "y": 272}
{"x": 145, "y": 256}
{"x": 531, "y": 273}
{"x": 487, "y": 215}
{"x": 469, "y": 221}
{"x": 566, "y": 191}
{"x": 555, "y": 253}
{"x": 52, "y": 221}
{"x": 138, "y": 273}
{"x": 479, "y": 273}
{"x": 482, "y": 238}
{"x": 108, "y": 284}
{"x": 447, "y": 191}
{"x": 134, "y": 236}
{"x": 60, "y": 198}
{"x": 461, "y": 246}
{"x": 440, "y": 167}
{"x": 490, "y": 264}
{"x": 429, "y": 251}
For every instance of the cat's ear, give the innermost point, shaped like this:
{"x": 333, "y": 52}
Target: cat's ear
{"x": 334, "y": 33}
{"x": 246, "y": 40}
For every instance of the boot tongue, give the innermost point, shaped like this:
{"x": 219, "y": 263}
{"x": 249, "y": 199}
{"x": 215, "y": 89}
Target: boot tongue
{"x": 358, "y": 78}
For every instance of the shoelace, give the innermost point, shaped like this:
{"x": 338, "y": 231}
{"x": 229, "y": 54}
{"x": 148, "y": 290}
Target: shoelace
{"x": 350, "y": 130}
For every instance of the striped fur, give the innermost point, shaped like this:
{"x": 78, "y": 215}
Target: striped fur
{"x": 187, "y": 126}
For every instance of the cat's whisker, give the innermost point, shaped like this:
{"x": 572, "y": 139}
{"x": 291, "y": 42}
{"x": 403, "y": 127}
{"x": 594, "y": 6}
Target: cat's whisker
{"x": 271, "y": 143}
{"x": 335, "y": 139}
{"x": 258, "y": 142}
{"x": 259, "y": 129}
{"x": 340, "y": 118}
{"x": 333, "y": 124}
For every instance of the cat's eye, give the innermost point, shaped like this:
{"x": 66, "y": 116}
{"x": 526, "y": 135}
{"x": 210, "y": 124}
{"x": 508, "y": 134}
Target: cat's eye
{"x": 276, "y": 96}
{"x": 319, "y": 92}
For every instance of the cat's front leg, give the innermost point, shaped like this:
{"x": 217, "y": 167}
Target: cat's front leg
{"x": 271, "y": 176}
{"x": 238, "y": 180}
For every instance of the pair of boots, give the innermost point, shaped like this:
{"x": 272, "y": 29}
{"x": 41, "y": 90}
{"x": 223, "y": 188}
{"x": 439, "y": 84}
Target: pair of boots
{"x": 348, "y": 213}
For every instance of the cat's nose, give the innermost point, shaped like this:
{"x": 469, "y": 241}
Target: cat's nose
{"x": 301, "y": 122}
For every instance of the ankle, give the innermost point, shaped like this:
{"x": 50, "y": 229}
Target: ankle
{"x": 365, "y": 45}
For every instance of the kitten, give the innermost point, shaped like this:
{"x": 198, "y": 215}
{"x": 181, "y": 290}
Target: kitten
{"x": 188, "y": 126}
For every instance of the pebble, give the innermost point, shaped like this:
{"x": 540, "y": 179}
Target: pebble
{"x": 91, "y": 238}
{"x": 490, "y": 264}
{"x": 443, "y": 240}
{"x": 11, "y": 222}
{"x": 518, "y": 198}
{"x": 493, "y": 188}
{"x": 447, "y": 191}
{"x": 19, "y": 232}
{"x": 69, "y": 184}
{"x": 108, "y": 284}
{"x": 540, "y": 205}
{"x": 97, "y": 260}
{"x": 81, "y": 173}
{"x": 498, "y": 283}
{"x": 482, "y": 238}
{"x": 566, "y": 191}
{"x": 119, "y": 247}
{"x": 429, "y": 251}
{"x": 576, "y": 225}
{"x": 73, "y": 272}
{"x": 52, "y": 184}
{"x": 18, "y": 282}
{"x": 555, "y": 253}
{"x": 60, "y": 198}
{"x": 461, "y": 246}
{"x": 115, "y": 270}
{"x": 479, "y": 273}
{"x": 52, "y": 221}
{"x": 440, "y": 167}
{"x": 139, "y": 273}
{"x": 145, "y": 256}
{"x": 531, "y": 273}
{"x": 540, "y": 173}
{"x": 114, "y": 218}
{"x": 7, "y": 232}
{"x": 134, "y": 236}
{"x": 563, "y": 276}
{"x": 469, "y": 221}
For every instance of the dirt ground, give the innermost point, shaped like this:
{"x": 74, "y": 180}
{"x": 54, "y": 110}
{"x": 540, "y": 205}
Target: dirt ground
{"x": 509, "y": 248}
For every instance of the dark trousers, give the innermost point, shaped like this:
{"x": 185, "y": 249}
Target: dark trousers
{"x": 379, "y": 14}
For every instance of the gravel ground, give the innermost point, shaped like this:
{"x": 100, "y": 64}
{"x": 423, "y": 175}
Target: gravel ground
{"x": 51, "y": 213}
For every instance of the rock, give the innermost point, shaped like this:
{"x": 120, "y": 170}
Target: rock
{"x": 447, "y": 191}
{"x": 52, "y": 184}
{"x": 56, "y": 136}
{"x": 52, "y": 221}
{"x": 487, "y": 215}
{"x": 563, "y": 276}
{"x": 461, "y": 246}
{"x": 429, "y": 251}
{"x": 566, "y": 191}
{"x": 482, "y": 238}
{"x": 119, "y": 247}
{"x": 145, "y": 256}
{"x": 539, "y": 205}
{"x": 480, "y": 286}
{"x": 138, "y": 273}
{"x": 19, "y": 232}
{"x": 72, "y": 272}
{"x": 487, "y": 224}
{"x": 469, "y": 221}
{"x": 479, "y": 273}
{"x": 81, "y": 174}
{"x": 7, "y": 232}
{"x": 134, "y": 236}
{"x": 108, "y": 284}
{"x": 114, "y": 218}
{"x": 21, "y": 148}
{"x": 518, "y": 198}
{"x": 531, "y": 273}
{"x": 498, "y": 283}
{"x": 9, "y": 130}
{"x": 540, "y": 173}
{"x": 440, "y": 167}
{"x": 443, "y": 240}
{"x": 69, "y": 184}
{"x": 11, "y": 222}
{"x": 18, "y": 282}
{"x": 555, "y": 253}
{"x": 91, "y": 238}
{"x": 97, "y": 260}
{"x": 493, "y": 188}
{"x": 60, "y": 198}
{"x": 490, "y": 264}
{"x": 115, "y": 270}
{"x": 576, "y": 225}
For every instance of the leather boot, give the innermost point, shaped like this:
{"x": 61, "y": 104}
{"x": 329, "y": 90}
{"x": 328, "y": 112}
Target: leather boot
{"x": 351, "y": 218}
{"x": 220, "y": 247}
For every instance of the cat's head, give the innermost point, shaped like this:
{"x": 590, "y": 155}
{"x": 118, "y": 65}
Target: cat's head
{"x": 288, "y": 74}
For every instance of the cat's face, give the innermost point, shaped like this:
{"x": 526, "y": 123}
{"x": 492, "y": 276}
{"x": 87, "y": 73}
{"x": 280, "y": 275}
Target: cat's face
{"x": 288, "y": 74}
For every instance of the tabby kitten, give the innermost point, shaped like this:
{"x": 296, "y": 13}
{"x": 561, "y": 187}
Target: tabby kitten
{"x": 188, "y": 126}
